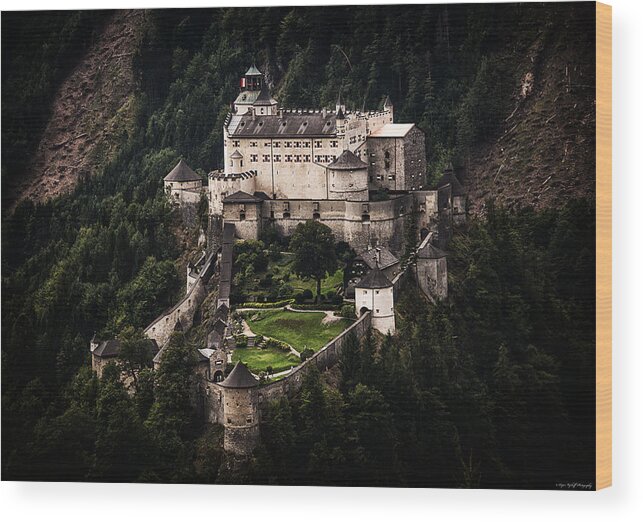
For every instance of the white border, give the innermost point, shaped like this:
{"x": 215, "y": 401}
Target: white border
{"x": 132, "y": 502}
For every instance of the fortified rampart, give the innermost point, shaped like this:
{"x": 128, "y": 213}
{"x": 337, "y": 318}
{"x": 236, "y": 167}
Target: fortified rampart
{"x": 183, "y": 312}
{"x": 325, "y": 358}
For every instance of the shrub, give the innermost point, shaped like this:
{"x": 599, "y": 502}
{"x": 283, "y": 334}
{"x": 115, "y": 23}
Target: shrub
{"x": 299, "y": 297}
{"x": 313, "y": 306}
{"x": 307, "y": 294}
{"x": 285, "y": 290}
{"x": 348, "y": 310}
{"x": 306, "y": 354}
{"x": 241, "y": 341}
{"x": 274, "y": 304}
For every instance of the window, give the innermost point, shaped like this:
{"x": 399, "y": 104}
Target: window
{"x": 297, "y": 144}
{"x": 276, "y": 144}
{"x": 318, "y": 158}
{"x": 366, "y": 291}
{"x": 254, "y": 157}
{"x": 242, "y": 216}
{"x": 316, "y": 206}
{"x": 305, "y": 144}
{"x": 266, "y": 158}
{"x": 266, "y": 144}
{"x": 235, "y": 143}
{"x": 372, "y": 154}
{"x": 288, "y": 157}
{"x": 253, "y": 143}
{"x": 387, "y": 154}
{"x": 298, "y": 158}
{"x": 318, "y": 144}
{"x": 277, "y": 157}
{"x": 288, "y": 144}
{"x": 387, "y": 164}
{"x": 377, "y": 291}
{"x": 286, "y": 215}
{"x": 316, "y": 216}
{"x": 333, "y": 143}
{"x": 391, "y": 178}
{"x": 306, "y": 157}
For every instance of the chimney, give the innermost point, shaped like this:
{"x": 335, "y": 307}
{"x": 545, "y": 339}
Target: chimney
{"x": 324, "y": 113}
{"x": 378, "y": 256}
{"x": 252, "y": 112}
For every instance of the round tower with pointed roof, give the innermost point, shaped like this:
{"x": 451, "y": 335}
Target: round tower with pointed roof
{"x": 375, "y": 293}
{"x": 240, "y": 411}
{"x": 348, "y": 178}
{"x": 182, "y": 184}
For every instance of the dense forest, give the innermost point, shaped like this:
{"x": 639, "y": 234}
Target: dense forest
{"x": 493, "y": 388}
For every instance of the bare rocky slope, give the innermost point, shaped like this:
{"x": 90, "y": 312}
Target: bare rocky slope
{"x": 545, "y": 154}
{"x": 91, "y": 109}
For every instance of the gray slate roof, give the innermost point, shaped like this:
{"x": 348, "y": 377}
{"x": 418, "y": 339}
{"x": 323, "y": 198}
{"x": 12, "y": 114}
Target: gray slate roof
{"x": 247, "y": 97}
{"x": 253, "y": 71}
{"x": 386, "y": 258}
{"x": 431, "y": 252}
{"x": 288, "y": 125}
{"x": 264, "y": 97}
{"x": 112, "y": 347}
{"x": 347, "y": 161}
{"x": 241, "y": 197}
{"x": 182, "y": 172}
{"x": 374, "y": 279}
{"x": 240, "y": 377}
{"x": 449, "y": 178}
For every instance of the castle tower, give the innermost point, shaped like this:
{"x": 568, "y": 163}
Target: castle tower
{"x": 236, "y": 163}
{"x": 265, "y": 104}
{"x": 181, "y": 178}
{"x": 375, "y": 293}
{"x": 240, "y": 411}
{"x": 251, "y": 85}
{"x": 348, "y": 178}
{"x": 431, "y": 271}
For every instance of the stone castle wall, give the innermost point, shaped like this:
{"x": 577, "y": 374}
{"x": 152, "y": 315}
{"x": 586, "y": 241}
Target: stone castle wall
{"x": 323, "y": 359}
{"x": 162, "y": 327}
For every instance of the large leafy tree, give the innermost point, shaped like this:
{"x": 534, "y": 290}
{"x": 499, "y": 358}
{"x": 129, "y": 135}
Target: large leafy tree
{"x": 313, "y": 244}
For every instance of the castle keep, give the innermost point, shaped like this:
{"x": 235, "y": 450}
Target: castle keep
{"x": 359, "y": 173}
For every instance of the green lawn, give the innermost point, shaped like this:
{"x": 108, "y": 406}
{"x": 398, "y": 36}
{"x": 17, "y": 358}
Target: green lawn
{"x": 258, "y": 360}
{"x": 299, "y": 329}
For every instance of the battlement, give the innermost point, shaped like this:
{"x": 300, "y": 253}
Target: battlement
{"x": 220, "y": 175}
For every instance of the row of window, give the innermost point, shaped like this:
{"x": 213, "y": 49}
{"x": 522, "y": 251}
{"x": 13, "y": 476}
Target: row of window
{"x": 287, "y": 144}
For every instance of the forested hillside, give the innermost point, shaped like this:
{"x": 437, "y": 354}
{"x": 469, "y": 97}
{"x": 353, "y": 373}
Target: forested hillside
{"x": 102, "y": 257}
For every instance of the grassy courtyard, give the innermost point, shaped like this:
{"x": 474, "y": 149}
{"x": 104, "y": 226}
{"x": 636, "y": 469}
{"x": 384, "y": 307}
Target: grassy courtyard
{"x": 258, "y": 360}
{"x": 299, "y": 329}
{"x": 281, "y": 273}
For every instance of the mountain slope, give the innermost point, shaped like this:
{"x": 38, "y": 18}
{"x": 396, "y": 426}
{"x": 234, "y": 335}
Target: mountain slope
{"x": 545, "y": 154}
{"x": 91, "y": 110}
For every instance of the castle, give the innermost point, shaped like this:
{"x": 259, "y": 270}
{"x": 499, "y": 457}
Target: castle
{"x": 360, "y": 174}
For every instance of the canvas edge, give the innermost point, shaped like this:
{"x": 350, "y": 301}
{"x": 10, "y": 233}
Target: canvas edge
{"x": 603, "y": 245}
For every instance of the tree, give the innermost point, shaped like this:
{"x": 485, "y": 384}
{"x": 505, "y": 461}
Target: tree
{"x": 135, "y": 353}
{"x": 313, "y": 244}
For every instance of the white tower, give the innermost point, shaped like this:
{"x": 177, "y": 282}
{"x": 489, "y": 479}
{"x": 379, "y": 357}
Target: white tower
{"x": 375, "y": 293}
